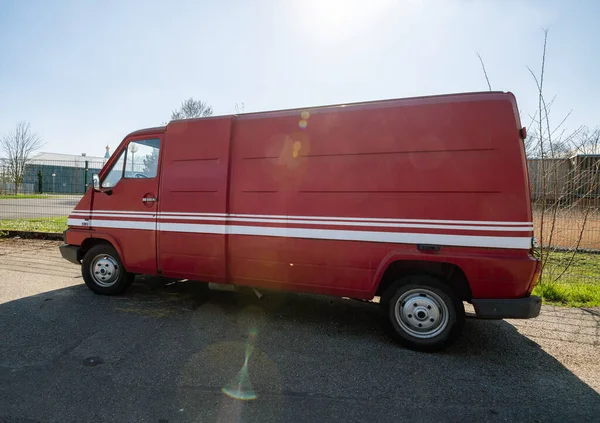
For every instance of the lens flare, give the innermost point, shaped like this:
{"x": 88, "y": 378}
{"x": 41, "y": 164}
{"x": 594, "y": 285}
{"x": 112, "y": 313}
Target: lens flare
{"x": 297, "y": 147}
{"x": 303, "y": 124}
{"x": 240, "y": 387}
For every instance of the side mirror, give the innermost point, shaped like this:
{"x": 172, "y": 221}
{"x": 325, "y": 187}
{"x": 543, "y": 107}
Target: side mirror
{"x": 96, "y": 182}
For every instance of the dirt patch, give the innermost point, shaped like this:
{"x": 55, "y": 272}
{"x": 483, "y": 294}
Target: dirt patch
{"x": 35, "y": 256}
{"x": 567, "y": 228}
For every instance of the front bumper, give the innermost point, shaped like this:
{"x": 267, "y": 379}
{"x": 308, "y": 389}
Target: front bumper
{"x": 518, "y": 308}
{"x": 70, "y": 253}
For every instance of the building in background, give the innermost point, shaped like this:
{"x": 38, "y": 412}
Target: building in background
{"x": 566, "y": 180}
{"x": 60, "y": 173}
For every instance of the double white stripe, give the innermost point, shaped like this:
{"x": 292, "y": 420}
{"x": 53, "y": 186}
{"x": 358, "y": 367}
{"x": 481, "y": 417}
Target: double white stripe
{"x": 327, "y": 221}
{"x": 330, "y": 234}
{"x": 149, "y": 223}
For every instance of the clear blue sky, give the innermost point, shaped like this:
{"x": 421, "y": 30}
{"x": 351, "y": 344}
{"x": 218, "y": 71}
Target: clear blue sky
{"x": 87, "y": 73}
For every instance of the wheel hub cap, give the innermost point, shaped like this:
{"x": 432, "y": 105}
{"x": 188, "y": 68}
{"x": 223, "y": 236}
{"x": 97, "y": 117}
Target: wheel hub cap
{"x": 421, "y": 313}
{"x": 105, "y": 270}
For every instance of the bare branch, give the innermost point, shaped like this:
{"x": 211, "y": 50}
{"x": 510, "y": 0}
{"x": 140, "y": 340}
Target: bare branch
{"x": 484, "y": 72}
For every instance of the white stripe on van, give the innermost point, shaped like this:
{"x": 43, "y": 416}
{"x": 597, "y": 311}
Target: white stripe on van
{"x": 388, "y": 223}
{"x": 347, "y": 223}
{"x": 328, "y": 223}
{"x": 327, "y": 234}
{"x": 129, "y": 216}
{"x": 120, "y": 224}
{"x": 375, "y": 219}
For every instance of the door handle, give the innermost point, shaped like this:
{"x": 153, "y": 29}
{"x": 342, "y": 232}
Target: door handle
{"x": 149, "y": 199}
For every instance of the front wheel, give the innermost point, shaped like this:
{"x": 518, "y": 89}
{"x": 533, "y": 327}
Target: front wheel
{"x": 423, "y": 312}
{"x": 103, "y": 271}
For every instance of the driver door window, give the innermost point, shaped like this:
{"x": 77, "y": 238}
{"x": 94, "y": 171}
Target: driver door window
{"x": 142, "y": 159}
{"x": 139, "y": 160}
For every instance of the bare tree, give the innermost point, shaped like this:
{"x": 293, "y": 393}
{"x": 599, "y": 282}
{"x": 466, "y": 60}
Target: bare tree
{"x": 239, "y": 108}
{"x": 587, "y": 141}
{"x": 565, "y": 185}
{"x": 568, "y": 184}
{"x": 18, "y": 146}
{"x": 191, "y": 109}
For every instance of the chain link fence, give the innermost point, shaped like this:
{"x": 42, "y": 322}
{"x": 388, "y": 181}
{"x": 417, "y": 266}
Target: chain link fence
{"x": 566, "y": 213}
{"x": 40, "y": 198}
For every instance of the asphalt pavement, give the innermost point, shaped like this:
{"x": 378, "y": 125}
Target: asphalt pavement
{"x": 52, "y": 206}
{"x": 163, "y": 352}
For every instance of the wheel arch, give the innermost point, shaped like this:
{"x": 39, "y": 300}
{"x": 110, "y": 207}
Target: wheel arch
{"x": 102, "y": 238}
{"x": 397, "y": 266}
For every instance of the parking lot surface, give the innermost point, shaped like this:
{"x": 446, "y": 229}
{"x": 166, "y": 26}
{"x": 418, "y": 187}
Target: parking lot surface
{"x": 163, "y": 352}
{"x": 53, "y": 206}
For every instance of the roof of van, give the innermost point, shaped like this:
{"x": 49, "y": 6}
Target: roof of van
{"x": 491, "y": 95}
{"x": 147, "y": 131}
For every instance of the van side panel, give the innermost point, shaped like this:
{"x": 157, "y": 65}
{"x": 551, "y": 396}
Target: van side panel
{"x": 459, "y": 159}
{"x": 452, "y": 161}
{"x": 193, "y": 199}
{"x": 259, "y": 186}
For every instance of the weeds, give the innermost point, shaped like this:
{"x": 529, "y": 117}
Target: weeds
{"x": 40, "y": 224}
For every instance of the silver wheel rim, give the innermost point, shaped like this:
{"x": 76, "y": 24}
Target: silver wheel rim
{"x": 421, "y": 313}
{"x": 104, "y": 270}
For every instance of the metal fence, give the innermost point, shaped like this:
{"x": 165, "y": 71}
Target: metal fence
{"x": 566, "y": 202}
{"x": 47, "y": 176}
{"x": 566, "y": 213}
{"x": 565, "y": 195}
{"x": 38, "y": 195}
{"x": 565, "y": 180}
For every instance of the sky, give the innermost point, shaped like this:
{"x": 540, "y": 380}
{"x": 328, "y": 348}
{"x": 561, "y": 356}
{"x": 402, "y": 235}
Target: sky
{"x": 87, "y": 73}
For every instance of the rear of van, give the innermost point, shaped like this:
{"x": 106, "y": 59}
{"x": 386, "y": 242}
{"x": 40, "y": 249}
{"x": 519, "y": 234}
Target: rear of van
{"x": 513, "y": 175}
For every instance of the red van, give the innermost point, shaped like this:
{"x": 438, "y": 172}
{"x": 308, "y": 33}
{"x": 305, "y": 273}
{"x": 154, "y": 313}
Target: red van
{"x": 423, "y": 202}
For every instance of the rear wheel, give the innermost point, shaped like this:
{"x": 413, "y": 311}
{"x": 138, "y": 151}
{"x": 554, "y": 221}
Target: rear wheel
{"x": 423, "y": 312}
{"x": 103, "y": 271}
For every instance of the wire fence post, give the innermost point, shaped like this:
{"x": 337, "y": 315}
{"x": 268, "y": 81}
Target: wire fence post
{"x": 85, "y": 177}
{"x": 40, "y": 181}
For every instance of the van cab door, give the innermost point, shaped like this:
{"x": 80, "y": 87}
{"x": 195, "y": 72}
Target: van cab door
{"x": 124, "y": 209}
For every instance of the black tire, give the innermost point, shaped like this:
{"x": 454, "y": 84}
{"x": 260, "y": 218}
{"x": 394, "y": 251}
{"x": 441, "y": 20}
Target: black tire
{"x": 423, "y": 313}
{"x": 103, "y": 271}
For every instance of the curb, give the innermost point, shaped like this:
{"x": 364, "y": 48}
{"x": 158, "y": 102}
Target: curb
{"x": 52, "y": 236}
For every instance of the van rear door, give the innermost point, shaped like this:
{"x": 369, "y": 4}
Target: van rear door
{"x": 124, "y": 210}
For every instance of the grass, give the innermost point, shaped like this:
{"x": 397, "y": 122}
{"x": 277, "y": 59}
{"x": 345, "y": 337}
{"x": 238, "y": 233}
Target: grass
{"x": 22, "y": 196}
{"x": 575, "y": 294}
{"x": 579, "y": 286}
{"x": 41, "y": 224}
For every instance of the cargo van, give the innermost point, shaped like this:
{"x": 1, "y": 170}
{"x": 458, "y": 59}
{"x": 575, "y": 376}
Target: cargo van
{"x": 422, "y": 202}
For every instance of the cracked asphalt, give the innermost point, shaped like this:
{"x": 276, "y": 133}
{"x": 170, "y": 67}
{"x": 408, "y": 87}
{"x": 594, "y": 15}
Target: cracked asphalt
{"x": 163, "y": 352}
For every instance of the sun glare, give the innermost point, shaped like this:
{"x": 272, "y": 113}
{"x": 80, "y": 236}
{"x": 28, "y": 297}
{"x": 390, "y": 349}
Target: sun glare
{"x": 330, "y": 20}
